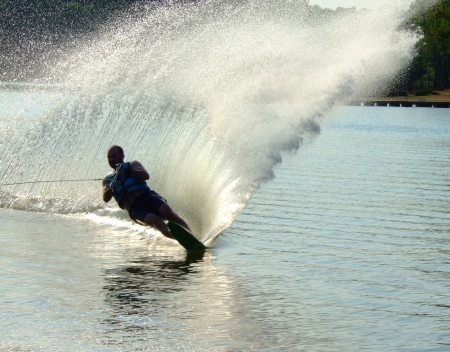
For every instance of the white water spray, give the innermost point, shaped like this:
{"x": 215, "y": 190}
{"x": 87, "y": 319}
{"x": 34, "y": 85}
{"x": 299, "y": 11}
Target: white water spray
{"x": 207, "y": 96}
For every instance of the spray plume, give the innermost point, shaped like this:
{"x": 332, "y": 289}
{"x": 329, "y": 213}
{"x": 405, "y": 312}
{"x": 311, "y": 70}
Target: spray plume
{"x": 207, "y": 95}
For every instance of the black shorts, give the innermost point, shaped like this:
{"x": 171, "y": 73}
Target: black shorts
{"x": 148, "y": 202}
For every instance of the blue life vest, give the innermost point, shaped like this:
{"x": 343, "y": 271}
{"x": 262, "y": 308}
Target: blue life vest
{"x": 126, "y": 185}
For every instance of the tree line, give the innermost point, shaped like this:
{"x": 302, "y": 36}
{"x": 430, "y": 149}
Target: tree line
{"x": 430, "y": 69}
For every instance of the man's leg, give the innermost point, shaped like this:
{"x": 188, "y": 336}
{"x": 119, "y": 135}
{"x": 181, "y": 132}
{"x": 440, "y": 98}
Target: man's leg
{"x": 166, "y": 212}
{"x": 158, "y": 223}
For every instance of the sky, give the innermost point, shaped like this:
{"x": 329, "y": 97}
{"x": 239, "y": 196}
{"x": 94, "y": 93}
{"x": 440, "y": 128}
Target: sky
{"x": 359, "y": 4}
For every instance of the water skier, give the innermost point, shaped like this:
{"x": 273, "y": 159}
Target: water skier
{"x": 127, "y": 184}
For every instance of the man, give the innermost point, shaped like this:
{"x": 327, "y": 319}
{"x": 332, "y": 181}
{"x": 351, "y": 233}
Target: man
{"x": 127, "y": 184}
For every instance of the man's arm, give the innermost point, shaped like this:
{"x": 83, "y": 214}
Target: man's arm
{"x": 138, "y": 171}
{"x": 107, "y": 191}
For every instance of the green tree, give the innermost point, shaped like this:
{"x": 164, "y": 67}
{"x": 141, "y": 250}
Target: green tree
{"x": 433, "y": 60}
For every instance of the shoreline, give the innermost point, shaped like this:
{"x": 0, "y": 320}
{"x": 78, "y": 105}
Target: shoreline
{"x": 440, "y": 100}
{"x": 399, "y": 103}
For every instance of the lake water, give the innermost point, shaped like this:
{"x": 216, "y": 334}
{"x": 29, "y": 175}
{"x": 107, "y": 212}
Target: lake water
{"x": 347, "y": 249}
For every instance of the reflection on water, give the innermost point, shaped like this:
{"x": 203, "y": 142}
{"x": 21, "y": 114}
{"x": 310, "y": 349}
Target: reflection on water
{"x": 142, "y": 287}
{"x": 162, "y": 303}
{"x": 139, "y": 293}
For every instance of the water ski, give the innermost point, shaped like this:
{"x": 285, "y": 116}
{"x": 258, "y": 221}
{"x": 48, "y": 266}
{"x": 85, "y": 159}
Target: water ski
{"x": 185, "y": 238}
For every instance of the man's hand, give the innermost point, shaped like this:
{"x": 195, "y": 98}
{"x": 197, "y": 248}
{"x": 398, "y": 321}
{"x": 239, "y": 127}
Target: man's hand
{"x": 112, "y": 185}
{"x": 107, "y": 191}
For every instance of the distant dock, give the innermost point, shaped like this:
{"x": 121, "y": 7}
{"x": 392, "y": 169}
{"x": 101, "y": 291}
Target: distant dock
{"x": 401, "y": 103}
{"x": 439, "y": 99}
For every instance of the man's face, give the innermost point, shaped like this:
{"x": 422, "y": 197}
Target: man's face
{"x": 114, "y": 157}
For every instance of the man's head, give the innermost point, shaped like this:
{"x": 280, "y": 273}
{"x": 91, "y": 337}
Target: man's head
{"x": 115, "y": 156}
